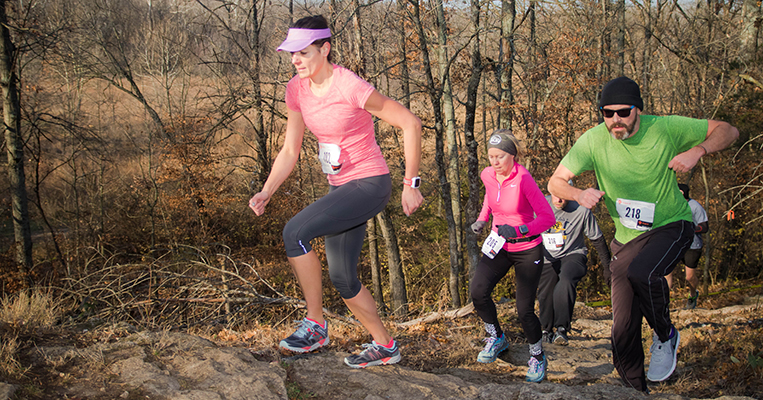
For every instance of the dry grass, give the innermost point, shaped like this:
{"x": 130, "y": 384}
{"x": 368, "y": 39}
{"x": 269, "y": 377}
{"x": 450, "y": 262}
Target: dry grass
{"x": 21, "y": 315}
{"x": 9, "y": 365}
{"x": 27, "y": 311}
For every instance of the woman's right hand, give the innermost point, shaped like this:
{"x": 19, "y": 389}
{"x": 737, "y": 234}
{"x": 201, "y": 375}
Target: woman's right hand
{"x": 258, "y": 202}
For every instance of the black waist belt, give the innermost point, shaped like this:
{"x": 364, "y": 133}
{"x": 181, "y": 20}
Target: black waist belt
{"x": 525, "y": 239}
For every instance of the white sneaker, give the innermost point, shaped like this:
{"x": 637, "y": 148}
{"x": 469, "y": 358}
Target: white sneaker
{"x": 663, "y": 361}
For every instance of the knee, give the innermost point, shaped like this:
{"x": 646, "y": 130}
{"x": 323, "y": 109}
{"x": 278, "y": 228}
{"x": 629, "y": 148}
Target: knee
{"x": 347, "y": 286}
{"x": 295, "y": 244}
{"x": 291, "y": 232}
{"x": 637, "y": 275}
{"x": 526, "y": 315}
{"x": 480, "y": 292}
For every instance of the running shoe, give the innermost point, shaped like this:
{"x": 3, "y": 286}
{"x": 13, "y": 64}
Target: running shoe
{"x": 691, "y": 303}
{"x": 548, "y": 337}
{"x": 560, "y": 337}
{"x": 372, "y": 355}
{"x": 308, "y": 337}
{"x": 493, "y": 347}
{"x": 537, "y": 370}
{"x": 664, "y": 355}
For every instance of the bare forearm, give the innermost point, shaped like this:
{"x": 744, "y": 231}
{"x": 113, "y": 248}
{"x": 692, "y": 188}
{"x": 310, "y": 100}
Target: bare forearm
{"x": 282, "y": 167}
{"x": 559, "y": 187}
{"x": 412, "y": 143}
{"x": 720, "y": 135}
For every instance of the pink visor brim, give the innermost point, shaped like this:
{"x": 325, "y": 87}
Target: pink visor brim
{"x": 299, "y": 38}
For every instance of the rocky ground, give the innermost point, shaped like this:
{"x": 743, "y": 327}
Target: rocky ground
{"x": 128, "y": 364}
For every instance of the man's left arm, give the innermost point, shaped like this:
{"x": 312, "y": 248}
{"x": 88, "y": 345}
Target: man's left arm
{"x": 720, "y": 135}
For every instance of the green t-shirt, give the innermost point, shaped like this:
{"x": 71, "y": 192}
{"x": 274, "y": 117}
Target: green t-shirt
{"x": 634, "y": 174}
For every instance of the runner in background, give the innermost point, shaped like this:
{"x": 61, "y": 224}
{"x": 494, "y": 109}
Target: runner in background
{"x": 565, "y": 264}
{"x": 338, "y": 107}
{"x": 520, "y": 214}
{"x": 691, "y": 258}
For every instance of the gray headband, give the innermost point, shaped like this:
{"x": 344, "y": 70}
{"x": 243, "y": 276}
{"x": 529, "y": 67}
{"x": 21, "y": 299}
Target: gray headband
{"x": 502, "y": 141}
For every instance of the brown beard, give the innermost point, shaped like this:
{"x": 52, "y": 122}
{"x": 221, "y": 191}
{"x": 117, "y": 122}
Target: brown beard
{"x": 620, "y": 135}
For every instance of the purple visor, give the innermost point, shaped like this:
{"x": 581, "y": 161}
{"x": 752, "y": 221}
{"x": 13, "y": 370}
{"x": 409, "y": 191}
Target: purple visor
{"x": 299, "y": 38}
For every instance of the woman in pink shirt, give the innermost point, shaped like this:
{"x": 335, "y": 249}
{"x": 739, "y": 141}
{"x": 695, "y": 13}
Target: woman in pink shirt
{"x": 520, "y": 214}
{"x": 338, "y": 108}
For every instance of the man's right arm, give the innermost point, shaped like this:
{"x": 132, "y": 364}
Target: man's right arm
{"x": 559, "y": 186}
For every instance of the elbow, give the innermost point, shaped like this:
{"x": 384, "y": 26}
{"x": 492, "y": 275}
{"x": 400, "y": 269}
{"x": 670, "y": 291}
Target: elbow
{"x": 734, "y": 133}
{"x": 414, "y": 125}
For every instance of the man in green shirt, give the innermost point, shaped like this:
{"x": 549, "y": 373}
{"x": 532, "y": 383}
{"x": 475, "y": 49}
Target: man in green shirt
{"x": 635, "y": 158}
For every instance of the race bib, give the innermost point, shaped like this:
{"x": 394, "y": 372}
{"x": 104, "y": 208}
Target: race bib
{"x": 553, "y": 241}
{"x": 634, "y": 214}
{"x": 493, "y": 244}
{"x": 329, "y": 154}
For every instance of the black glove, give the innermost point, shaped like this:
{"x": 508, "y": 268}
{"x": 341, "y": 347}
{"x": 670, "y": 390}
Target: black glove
{"x": 507, "y": 231}
{"x": 477, "y": 226}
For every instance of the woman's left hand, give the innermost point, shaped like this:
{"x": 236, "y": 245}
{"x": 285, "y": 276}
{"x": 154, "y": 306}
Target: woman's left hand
{"x": 411, "y": 199}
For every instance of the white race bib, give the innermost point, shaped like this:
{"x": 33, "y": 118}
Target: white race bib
{"x": 493, "y": 244}
{"x": 634, "y": 214}
{"x": 328, "y": 154}
{"x": 553, "y": 241}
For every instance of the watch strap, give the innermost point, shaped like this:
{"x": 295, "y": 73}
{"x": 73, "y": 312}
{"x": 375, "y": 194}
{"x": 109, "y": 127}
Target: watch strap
{"x": 414, "y": 182}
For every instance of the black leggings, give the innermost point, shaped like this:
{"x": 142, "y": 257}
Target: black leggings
{"x": 341, "y": 217}
{"x": 557, "y": 290}
{"x": 528, "y": 265}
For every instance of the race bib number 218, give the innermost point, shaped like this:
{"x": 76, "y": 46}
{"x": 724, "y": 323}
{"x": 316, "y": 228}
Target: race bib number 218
{"x": 634, "y": 214}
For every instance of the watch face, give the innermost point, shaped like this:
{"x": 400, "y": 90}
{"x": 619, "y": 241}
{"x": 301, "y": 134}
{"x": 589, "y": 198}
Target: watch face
{"x": 523, "y": 229}
{"x": 415, "y": 182}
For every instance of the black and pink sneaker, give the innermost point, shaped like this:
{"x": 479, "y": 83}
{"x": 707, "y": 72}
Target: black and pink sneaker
{"x": 308, "y": 337}
{"x": 374, "y": 354}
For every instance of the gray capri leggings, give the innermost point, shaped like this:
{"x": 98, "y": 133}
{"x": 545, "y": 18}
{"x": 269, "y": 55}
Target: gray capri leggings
{"x": 341, "y": 217}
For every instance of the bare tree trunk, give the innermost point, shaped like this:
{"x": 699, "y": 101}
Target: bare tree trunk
{"x": 620, "y": 17}
{"x": 373, "y": 254}
{"x": 263, "y": 159}
{"x": 752, "y": 16}
{"x": 472, "y": 148}
{"x": 646, "y": 56}
{"x": 360, "y": 63}
{"x": 508, "y": 17}
{"x": 405, "y": 85}
{"x": 605, "y": 45}
{"x": 454, "y": 176}
{"x": 15, "y": 149}
{"x": 396, "y": 276}
{"x": 442, "y": 173}
{"x": 706, "y": 267}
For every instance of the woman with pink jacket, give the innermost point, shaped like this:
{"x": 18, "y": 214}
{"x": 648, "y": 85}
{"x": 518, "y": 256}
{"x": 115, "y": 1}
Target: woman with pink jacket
{"x": 520, "y": 214}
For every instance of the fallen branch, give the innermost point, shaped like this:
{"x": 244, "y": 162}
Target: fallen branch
{"x": 435, "y": 316}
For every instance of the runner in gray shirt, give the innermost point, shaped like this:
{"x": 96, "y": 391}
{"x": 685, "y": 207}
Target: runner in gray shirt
{"x": 565, "y": 265}
{"x": 691, "y": 257}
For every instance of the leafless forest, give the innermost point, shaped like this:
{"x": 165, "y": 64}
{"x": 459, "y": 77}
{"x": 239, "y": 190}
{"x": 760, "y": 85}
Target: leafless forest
{"x": 136, "y": 131}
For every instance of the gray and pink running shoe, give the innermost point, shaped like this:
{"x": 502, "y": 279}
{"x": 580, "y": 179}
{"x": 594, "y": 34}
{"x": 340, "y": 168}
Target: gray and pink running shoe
{"x": 308, "y": 337}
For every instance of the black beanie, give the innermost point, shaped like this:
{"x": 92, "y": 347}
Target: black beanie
{"x": 621, "y": 90}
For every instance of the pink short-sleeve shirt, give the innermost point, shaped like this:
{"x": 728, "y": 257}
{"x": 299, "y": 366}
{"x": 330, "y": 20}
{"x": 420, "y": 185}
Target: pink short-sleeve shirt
{"x": 339, "y": 118}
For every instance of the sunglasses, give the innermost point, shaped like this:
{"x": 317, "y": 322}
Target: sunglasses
{"x": 622, "y": 113}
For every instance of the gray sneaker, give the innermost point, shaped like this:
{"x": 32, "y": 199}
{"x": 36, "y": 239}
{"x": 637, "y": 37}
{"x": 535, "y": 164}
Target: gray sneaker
{"x": 547, "y": 337}
{"x": 664, "y": 355}
{"x": 691, "y": 303}
{"x": 308, "y": 337}
{"x": 560, "y": 337}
